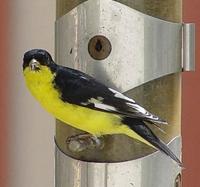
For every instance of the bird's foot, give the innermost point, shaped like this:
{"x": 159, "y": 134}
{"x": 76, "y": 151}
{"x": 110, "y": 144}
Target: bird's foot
{"x": 81, "y": 142}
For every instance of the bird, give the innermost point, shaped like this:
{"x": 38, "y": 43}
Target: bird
{"x": 83, "y": 102}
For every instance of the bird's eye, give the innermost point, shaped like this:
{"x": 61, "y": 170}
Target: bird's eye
{"x": 34, "y": 65}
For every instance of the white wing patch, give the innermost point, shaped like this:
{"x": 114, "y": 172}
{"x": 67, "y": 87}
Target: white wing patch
{"x": 150, "y": 116}
{"x": 121, "y": 96}
{"x": 82, "y": 77}
{"x": 98, "y": 104}
{"x": 135, "y": 110}
{"x": 138, "y": 108}
{"x": 104, "y": 107}
{"x": 93, "y": 100}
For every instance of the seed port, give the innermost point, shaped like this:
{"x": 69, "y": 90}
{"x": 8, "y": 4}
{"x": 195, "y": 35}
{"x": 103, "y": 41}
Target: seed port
{"x": 99, "y": 47}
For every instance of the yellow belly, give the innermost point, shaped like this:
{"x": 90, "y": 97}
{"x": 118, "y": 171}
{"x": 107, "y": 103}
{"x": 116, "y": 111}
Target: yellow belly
{"x": 94, "y": 122}
{"x": 97, "y": 123}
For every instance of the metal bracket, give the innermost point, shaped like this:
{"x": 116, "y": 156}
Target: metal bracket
{"x": 150, "y": 171}
{"x": 189, "y": 47}
{"x": 143, "y": 47}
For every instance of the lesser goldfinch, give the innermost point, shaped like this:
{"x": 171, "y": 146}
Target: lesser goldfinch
{"x": 84, "y": 103}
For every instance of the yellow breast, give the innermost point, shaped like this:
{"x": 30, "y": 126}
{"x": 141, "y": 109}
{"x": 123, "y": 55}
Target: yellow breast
{"x": 94, "y": 122}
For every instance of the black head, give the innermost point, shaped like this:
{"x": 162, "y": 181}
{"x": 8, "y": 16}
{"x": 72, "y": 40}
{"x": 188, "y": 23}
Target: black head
{"x": 36, "y": 57}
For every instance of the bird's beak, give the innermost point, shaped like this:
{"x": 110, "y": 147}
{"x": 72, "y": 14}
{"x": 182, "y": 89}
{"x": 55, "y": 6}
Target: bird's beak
{"x": 34, "y": 65}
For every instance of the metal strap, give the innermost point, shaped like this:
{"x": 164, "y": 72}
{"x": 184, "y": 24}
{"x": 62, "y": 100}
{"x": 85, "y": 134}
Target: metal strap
{"x": 143, "y": 47}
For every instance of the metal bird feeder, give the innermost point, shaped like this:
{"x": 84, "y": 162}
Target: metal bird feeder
{"x": 139, "y": 48}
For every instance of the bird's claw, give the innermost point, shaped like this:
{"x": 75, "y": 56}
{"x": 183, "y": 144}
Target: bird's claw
{"x": 82, "y": 142}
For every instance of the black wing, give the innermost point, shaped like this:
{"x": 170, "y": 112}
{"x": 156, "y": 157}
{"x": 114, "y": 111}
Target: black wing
{"x": 81, "y": 89}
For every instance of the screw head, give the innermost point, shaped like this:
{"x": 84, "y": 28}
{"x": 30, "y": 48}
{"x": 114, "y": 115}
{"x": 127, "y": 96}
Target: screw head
{"x": 99, "y": 47}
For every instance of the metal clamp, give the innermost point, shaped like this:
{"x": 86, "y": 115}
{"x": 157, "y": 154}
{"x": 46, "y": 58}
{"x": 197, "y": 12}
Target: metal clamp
{"x": 126, "y": 67}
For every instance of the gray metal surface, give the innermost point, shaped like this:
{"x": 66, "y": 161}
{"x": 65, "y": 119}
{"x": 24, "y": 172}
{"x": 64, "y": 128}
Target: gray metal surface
{"x": 143, "y": 47}
{"x": 189, "y": 47}
{"x": 155, "y": 170}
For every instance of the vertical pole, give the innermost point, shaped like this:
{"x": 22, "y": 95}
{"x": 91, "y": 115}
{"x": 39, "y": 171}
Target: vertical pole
{"x": 167, "y": 92}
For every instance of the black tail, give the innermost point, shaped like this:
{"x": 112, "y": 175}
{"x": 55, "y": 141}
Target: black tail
{"x": 145, "y": 132}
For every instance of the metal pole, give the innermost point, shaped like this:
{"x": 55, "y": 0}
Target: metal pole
{"x": 161, "y": 96}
